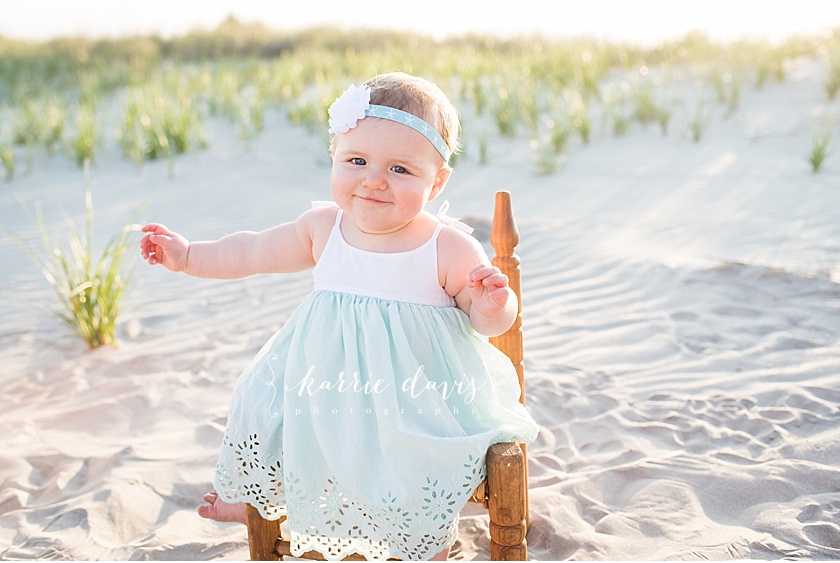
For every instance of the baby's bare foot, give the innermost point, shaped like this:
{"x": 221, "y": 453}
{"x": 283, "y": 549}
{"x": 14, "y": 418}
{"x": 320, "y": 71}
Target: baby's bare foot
{"x": 221, "y": 511}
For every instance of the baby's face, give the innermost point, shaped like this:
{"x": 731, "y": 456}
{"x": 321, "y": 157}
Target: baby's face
{"x": 384, "y": 173}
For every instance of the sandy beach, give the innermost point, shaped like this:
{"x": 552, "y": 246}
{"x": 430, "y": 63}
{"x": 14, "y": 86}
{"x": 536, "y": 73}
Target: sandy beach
{"x": 682, "y": 341}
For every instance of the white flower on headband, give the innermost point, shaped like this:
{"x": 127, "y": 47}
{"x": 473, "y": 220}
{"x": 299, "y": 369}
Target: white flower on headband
{"x": 348, "y": 109}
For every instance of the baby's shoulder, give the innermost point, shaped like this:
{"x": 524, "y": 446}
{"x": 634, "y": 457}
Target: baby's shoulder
{"x": 319, "y": 218}
{"x": 456, "y": 238}
{"x": 457, "y": 248}
{"x": 457, "y": 253}
{"x": 317, "y": 223}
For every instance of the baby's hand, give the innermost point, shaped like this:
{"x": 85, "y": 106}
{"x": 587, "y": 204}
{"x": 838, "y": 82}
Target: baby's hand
{"x": 162, "y": 246}
{"x": 489, "y": 289}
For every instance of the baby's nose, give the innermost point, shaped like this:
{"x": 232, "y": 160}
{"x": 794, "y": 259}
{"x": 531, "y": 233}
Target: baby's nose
{"x": 375, "y": 180}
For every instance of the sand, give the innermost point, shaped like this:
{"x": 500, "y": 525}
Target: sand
{"x": 682, "y": 313}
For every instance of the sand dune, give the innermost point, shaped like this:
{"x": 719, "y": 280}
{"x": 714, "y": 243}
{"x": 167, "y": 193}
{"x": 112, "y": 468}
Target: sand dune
{"x": 682, "y": 313}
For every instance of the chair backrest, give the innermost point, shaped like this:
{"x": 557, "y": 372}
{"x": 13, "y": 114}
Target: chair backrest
{"x": 504, "y": 236}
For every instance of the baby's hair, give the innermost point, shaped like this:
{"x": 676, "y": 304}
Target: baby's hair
{"x": 419, "y": 97}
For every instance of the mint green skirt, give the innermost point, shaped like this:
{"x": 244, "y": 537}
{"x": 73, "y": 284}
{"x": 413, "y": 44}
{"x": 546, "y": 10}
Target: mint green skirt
{"x": 365, "y": 422}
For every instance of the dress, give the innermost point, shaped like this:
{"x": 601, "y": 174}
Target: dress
{"x": 366, "y": 418}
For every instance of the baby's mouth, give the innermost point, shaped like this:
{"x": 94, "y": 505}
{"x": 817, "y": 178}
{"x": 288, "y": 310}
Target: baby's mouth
{"x": 372, "y": 199}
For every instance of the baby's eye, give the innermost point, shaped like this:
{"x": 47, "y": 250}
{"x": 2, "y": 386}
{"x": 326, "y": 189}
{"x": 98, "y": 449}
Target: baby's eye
{"x": 358, "y": 161}
{"x": 399, "y": 169}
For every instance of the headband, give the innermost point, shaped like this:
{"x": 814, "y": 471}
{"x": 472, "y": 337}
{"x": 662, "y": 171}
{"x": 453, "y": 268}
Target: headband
{"x": 354, "y": 104}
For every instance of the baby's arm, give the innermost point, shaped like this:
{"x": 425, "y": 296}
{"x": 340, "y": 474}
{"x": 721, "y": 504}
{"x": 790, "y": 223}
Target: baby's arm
{"x": 285, "y": 248}
{"x": 479, "y": 289}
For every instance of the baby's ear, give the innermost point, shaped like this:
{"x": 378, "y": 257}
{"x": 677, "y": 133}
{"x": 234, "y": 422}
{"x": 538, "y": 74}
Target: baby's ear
{"x": 440, "y": 182}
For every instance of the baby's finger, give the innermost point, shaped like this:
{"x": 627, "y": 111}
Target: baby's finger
{"x": 481, "y": 272}
{"x": 145, "y": 246}
{"x": 155, "y": 228}
{"x": 496, "y": 280}
{"x": 162, "y": 241}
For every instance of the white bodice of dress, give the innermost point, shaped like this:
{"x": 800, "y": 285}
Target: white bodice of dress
{"x": 410, "y": 276}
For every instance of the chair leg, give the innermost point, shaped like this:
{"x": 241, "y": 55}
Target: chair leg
{"x": 507, "y": 502}
{"x": 262, "y": 536}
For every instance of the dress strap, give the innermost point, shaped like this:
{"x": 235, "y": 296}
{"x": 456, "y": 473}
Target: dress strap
{"x": 445, "y": 219}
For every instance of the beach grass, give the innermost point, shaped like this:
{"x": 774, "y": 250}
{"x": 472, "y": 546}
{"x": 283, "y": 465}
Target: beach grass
{"x": 663, "y": 114}
{"x": 832, "y": 81}
{"x": 7, "y": 157}
{"x": 166, "y": 88}
{"x": 819, "y": 150}
{"x": 698, "y": 120}
{"x": 89, "y": 290}
{"x": 87, "y": 138}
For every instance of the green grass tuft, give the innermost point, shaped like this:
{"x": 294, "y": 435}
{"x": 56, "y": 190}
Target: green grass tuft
{"x": 819, "y": 150}
{"x": 7, "y": 157}
{"x": 89, "y": 290}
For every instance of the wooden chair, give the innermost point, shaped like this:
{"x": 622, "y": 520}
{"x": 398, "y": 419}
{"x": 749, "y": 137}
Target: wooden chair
{"x": 505, "y": 490}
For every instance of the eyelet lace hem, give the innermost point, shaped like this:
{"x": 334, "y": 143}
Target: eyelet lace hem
{"x": 335, "y": 523}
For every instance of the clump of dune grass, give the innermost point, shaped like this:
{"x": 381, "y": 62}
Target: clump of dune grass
{"x": 621, "y": 120}
{"x": 158, "y": 123}
{"x": 559, "y": 133}
{"x": 579, "y": 119}
{"x": 719, "y": 79}
{"x": 7, "y": 157}
{"x": 307, "y": 114}
{"x": 477, "y": 93}
{"x": 26, "y": 130}
{"x": 550, "y": 145}
{"x": 53, "y": 127}
{"x": 483, "y": 149}
{"x": 547, "y": 160}
{"x": 475, "y": 145}
{"x": 698, "y": 121}
{"x": 727, "y": 86}
{"x": 819, "y": 150}
{"x": 644, "y": 106}
{"x": 733, "y": 101}
{"x": 26, "y": 124}
{"x": 832, "y": 83}
{"x": 663, "y": 113}
{"x": 131, "y": 137}
{"x": 86, "y": 139}
{"x": 505, "y": 114}
{"x": 89, "y": 289}
{"x": 251, "y": 119}
{"x": 618, "y": 110}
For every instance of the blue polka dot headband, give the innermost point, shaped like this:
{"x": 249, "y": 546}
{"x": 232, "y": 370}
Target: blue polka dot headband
{"x": 354, "y": 104}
